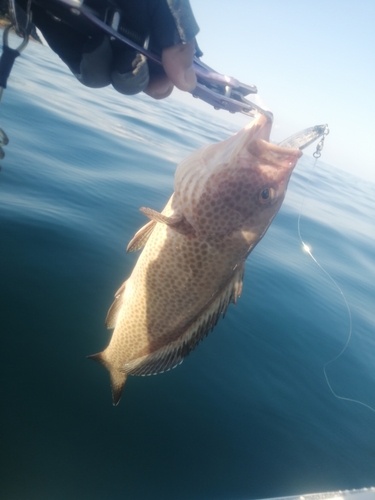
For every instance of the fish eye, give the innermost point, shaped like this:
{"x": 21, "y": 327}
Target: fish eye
{"x": 266, "y": 195}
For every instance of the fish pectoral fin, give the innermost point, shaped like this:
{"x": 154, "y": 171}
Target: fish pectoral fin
{"x": 111, "y": 319}
{"x": 140, "y": 238}
{"x": 172, "y": 220}
{"x": 117, "y": 378}
{"x": 174, "y": 352}
{"x": 177, "y": 222}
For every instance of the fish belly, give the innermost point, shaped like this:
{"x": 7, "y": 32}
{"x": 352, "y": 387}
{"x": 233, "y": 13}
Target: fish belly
{"x": 174, "y": 296}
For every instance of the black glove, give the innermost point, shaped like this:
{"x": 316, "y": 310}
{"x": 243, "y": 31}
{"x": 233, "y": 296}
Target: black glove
{"x": 168, "y": 26}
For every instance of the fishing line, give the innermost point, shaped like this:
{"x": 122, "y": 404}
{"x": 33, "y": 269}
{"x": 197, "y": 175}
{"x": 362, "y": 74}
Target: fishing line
{"x": 307, "y": 249}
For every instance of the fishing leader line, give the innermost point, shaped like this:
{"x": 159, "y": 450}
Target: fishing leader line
{"x": 307, "y": 249}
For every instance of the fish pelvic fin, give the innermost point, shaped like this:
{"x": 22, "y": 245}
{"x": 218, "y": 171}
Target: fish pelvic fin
{"x": 117, "y": 378}
{"x": 111, "y": 319}
{"x": 140, "y": 238}
{"x": 177, "y": 222}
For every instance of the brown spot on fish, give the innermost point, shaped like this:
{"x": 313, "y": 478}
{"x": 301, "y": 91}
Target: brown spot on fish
{"x": 192, "y": 263}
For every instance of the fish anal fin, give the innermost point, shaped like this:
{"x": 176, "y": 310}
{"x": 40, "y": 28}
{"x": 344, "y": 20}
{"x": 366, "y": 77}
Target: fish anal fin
{"x": 140, "y": 238}
{"x": 186, "y": 339}
{"x": 117, "y": 378}
{"x": 177, "y": 222}
{"x": 111, "y": 319}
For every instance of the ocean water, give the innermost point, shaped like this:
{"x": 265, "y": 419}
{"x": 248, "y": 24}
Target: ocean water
{"x": 249, "y": 413}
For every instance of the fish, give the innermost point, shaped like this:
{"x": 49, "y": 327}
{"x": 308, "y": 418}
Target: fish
{"x": 192, "y": 263}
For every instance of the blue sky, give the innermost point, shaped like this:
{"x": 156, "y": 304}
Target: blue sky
{"x": 312, "y": 61}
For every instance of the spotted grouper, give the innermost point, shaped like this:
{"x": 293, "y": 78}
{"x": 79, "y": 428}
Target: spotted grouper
{"x": 192, "y": 263}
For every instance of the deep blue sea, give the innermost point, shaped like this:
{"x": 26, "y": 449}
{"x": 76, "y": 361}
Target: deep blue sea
{"x": 249, "y": 413}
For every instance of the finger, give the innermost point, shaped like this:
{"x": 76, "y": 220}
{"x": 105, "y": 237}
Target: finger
{"x": 159, "y": 87}
{"x": 178, "y": 64}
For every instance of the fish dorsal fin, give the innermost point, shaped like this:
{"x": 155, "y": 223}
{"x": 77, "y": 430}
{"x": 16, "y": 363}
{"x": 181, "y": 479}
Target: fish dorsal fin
{"x": 118, "y": 378}
{"x": 111, "y": 319}
{"x": 185, "y": 341}
{"x": 177, "y": 222}
{"x": 140, "y": 238}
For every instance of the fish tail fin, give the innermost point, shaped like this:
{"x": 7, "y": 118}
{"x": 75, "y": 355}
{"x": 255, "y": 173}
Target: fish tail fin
{"x": 117, "y": 378}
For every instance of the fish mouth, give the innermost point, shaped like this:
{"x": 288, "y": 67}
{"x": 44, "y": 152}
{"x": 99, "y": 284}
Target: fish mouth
{"x": 260, "y": 128}
{"x": 256, "y": 137}
{"x": 283, "y": 157}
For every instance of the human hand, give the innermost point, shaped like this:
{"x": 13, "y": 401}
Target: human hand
{"x": 98, "y": 60}
{"x": 178, "y": 66}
